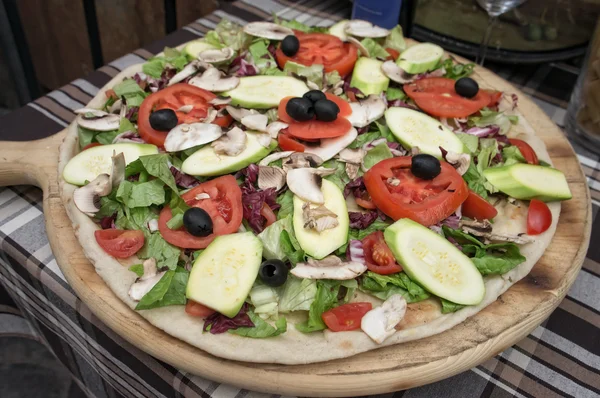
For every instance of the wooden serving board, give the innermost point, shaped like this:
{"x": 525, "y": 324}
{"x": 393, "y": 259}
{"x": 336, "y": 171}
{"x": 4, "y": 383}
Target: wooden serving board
{"x": 514, "y": 315}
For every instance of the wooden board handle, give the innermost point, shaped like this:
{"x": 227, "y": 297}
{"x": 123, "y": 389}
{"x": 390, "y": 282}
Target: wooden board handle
{"x": 28, "y": 162}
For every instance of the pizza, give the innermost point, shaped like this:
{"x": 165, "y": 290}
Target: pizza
{"x": 290, "y": 194}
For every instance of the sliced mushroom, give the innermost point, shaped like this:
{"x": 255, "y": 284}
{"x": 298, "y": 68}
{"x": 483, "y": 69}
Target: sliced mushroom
{"x": 255, "y": 122}
{"x": 330, "y": 147}
{"x": 460, "y": 161}
{"x": 212, "y": 80}
{"x": 115, "y": 106}
{"x": 319, "y": 218}
{"x": 263, "y": 139}
{"x": 215, "y": 56}
{"x": 331, "y": 267}
{"x": 87, "y": 198}
{"x": 366, "y": 111}
{"x": 274, "y": 128}
{"x": 270, "y": 177}
{"x": 273, "y": 157}
{"x": 352, "y": 170}
{"x": 94, "y": 112}
{"x": 232, "y": 143}
{"x": 189, "y": 70}
{"x": 380, "y": 323}
{"x": 201, "y": 196}
{"x": 484, "y": 229}
{"x": 361, "y": 49}
{"x": 267, "y": 30}
{"x": 108, "y": 122}
{"x": 299, "y": 160}
{"x": 128, "y": 136}
{"x": 117, "y": 174}
{"x": 239, "y": 113}
{"x": 220, "y": 101}
{"x": 354, "y": 156}
{"x": 185, "y": 136}
{"x": 396, "y": 73}
{"x": 305, "y": 184}
{"x": 186, "y": 108}
{"x": 360, "y": 28}
{"x": 144, "y": 284}
{"x": 123, "y": 111}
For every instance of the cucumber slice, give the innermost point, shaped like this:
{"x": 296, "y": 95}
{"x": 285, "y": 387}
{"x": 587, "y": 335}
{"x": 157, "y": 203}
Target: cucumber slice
{"x": 420, "y": 58}
{"x": 320, "y": 244}
{"x": 195, "y": 47}
{"x": 263, "y": 92}
{"x": 205, "y": 162}
{"x": 528, "y": 181}
{"x": 87, "y": 165}
{"x": 224, "y": 273}
{"x": 368, "y": 77}
{"x": 338, "y": 29}
{"x": 413, "y": 128}
{"x": 435, "y": 263}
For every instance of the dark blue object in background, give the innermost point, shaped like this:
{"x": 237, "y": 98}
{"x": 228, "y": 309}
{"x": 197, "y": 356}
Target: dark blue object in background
{"x": 384, "y": 13}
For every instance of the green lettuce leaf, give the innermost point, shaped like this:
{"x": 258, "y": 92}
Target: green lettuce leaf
{"x": 170, "y": 290}
{"x": 165, "y": 254}
{"x": 511, "y": 155}
{"x": 86, "y": 136}
{"x": 228, "y": 34}
{"x": 332, "y": 78}
{"x": 137, "y": 269}
{"x": 313, "y": 73}
{"x": 492, "y": 118}
{"x": 135, "y": 218}
{"x": 394, "y": 93}
{"x": 360, "y": 234}
{"x": 258, "y": 50}
{"x": 456, "y": 70}
{"x": 133, "y": 93}
{"x": 158, "y": 166}
{"x": 325, "y": 299}
{"x": 290, "y": 247}
{"x": 154, "y": 67}
{"x": 375, "y": 49}
{"x": 108, "y": 207}
{"x": 476, "y": 181}
{"x": 471, "y": 142}
{"x": 286, "y": 201}
{"x": 297, "y": 294}
{"x": 363, "y": 139}
{"x": 395, "y": 40}
{"x": 261, "y": 329}
{"x": 340, "y": 177}
{"x": 293, "y": 24}
{"x": 106, "y": 137}
{"x": 491, "y": 259}
{"x": 144, "y": 194}
{"x": 449, "y": 306}
{"x": 384, "y": 286}
{"x": 271, "y": 238}
{"x": 376, "y": 155}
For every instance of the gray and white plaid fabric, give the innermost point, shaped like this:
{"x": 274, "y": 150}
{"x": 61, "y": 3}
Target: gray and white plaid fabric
{"x": 560, "y": 358}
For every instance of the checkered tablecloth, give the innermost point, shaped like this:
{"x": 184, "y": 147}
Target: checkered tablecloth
{"x": 560, "y": 358}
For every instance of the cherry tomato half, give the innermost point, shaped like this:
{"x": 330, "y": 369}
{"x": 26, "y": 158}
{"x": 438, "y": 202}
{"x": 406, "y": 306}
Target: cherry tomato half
{"x": 378, "y": 255}
{"x": 196, "y": 309}
{"x": 539, "y": 217}
{"x": 287, "y": 143}
{"x": 120, "y": 243}
{"x": 346, "y": 317}
{"x": 90, "y": 145}
{"x": 526, "y": 150}
{"x": 478, "y": 208}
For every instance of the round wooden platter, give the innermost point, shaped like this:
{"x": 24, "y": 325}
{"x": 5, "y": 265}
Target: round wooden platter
{"x": 515, "y": 314}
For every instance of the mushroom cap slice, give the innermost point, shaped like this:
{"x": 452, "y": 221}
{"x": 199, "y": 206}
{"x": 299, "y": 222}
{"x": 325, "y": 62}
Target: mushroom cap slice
{"x": 299, "y": 160}
{"x": 396, "y": 73}
{"x": 366, "y": 111}
{"x": 239, "y": 113}
{"x": 331, "y": 267}
{"x": 270, "y": 177}
{"x": 362, "y": 49}
{"x": 215, "y": 56}
{"x": 186, "y": 72}
{"x": 108, "y": 122}
{"x": 144, "y": 284}
{"x": 330, "y": 147}
{"x": 117, "y": 174}
{"x": 360, "y": 28}
{"x": 306, "y": 184}
{"x": 460, "y": 161}
{"x": 212, "y": 80}
{"x": 263, "y": 139}
{"x": 267, "y": 30}
{"x": 273, "y": 157}
{"x": 274, "y": 128}
{"x": 95, "y": 112}
{"x": 232, "y": 143}
{"x": 185, "y": 136}
{"x": 256, "y": 121}
{"x": 354, "y": 156}
{"x": 87, "y": 198}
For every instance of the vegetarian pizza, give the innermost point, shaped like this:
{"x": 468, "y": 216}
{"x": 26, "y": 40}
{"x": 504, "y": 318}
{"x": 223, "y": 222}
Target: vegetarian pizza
{"x": 282, "y": 193}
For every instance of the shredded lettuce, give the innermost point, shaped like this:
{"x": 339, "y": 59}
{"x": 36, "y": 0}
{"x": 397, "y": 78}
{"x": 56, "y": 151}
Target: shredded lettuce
{"x": 449, "y": 306}
{"x": 271, "y": 238}
{"x": 313, "y": 73}
{"x": 455, "y": 70}
{"x": 156, "y": 65}
{"x": 511, "y": 155}
{"x": 137, "y": 269}
{"x": 394, "y": 93}
{"x": 375, "y": 49}
{"x": 291, "y": 247}
{"x": 133, "y": 93}
{"x": 262, "y": 329}
{"x": 471, "y": 142}
{"x": 493, "y": 118}
{"x": 376, "y": 155}
{"x": 332, "y": 78}
{"x": 136, "y": 218}
{"x": 228, "y": 34}
{"x": 264, "y": 299}
{"x": 384, "y": 286}
{"x": 296, "y": 25}
{"x": 261, "y": 56}
{"x": 143, "y": 194}
{"x": 340, "y": 177}
{"x": 395, "y": 40}
{"x": 297, "y": 294}
{"x": 286, "y": 201}
{"x": 170, "y": 290}
{"x": 165, "y": 254}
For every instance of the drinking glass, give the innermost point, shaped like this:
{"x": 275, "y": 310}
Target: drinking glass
{"x": 494, "y": 9}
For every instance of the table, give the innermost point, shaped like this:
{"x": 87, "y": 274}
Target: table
{"x": 561, "y": 357}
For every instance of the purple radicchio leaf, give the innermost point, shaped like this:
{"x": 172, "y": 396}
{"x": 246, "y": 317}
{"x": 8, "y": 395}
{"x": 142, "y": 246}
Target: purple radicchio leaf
{"x": 132, "y": 113}
{"x": 355, "y": 187}
{"x": 158, "y": 84}
{"x": 355, "y": 252}
{"x": 218, "y": 323}
{"x": 128, "y": 136}
{"x": 515, "y": 100}
{"x": 182, "y": 179}
{"x": 253, "y": 199}
{"x": 362, "y": 130}
{"x": 108, "y": 222}
{"x": 360, "y": 220}
{"x": 347, "y": 89}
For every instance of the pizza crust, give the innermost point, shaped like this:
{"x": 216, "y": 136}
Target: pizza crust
{"x": 423, "y": 319}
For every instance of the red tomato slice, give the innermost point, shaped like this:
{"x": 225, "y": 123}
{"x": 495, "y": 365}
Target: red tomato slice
{"x": 224, "y": 208}
{"x": 393, "y": 54}
{"x": 174, "y": 97}
{"x": 365, "y": 203}
{"x": 478, "y": 208}
{"x": 495, "y": 97}
{"x": 378, "y": 255}
{"x": 424, "y": 201}
{"x": 539, "y": 217}
{"x": 436, "y": 96}
{"x": 268, "y": 214}
{"x": 196, "y": 309}
{"x": 345, "y": 109}
{"x": 283, "y": 116}
{"x": 314, "y": 129}
{"x": 110, "y": 93}
{"x": 286, "y": 143}
{"x": 90, "y": 145}
{"x": 120, "y": 243}
{"x": 346, "y": 317}
{"x": 322, "y": 49}
{"x": 526, "y": 150}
